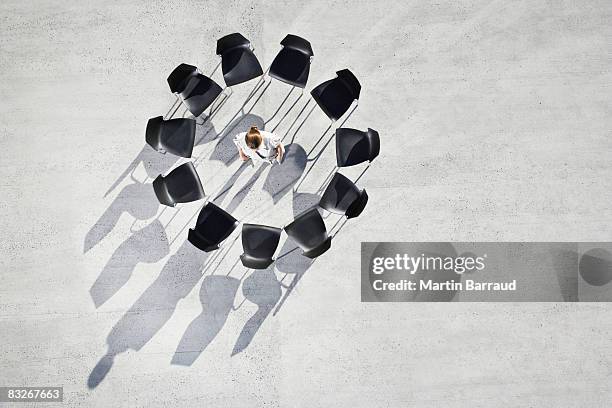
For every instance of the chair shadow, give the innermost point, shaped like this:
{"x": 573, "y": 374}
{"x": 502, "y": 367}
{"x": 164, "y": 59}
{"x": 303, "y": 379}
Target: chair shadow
{"x": 595, "y": 267}
{"x": 565, "y": 262}
{"x": 217, "y": 296}
{"x": 153, "y": 308}
{"x": 263, "y": 289}
{"x": 224, "y": 191}
{"x": 281, "y": 178}
{"x": 138, "y": 199}
{"x": 290, "y": 260}
{"x": 148, "y": 245}
{"x": 246, "y": 188}
{"x": 225, "y": 150}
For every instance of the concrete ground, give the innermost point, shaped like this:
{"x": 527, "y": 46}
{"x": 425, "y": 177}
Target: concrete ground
{"x": 495, "y": 124}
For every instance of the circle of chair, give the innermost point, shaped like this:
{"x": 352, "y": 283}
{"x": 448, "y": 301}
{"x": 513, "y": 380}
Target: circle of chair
{"x": 197, "y": 92}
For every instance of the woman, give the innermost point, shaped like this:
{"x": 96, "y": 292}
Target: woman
{"x": 259, "y": 146}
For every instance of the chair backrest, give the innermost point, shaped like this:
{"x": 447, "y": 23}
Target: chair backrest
{"x": 200, "y": 242}
{"x": 176, "y": 136}
{"x": 215, "y": 224}
{"x": 339, "y": 195}
{"x": 308, "y": 229}
{"x": 181, "y": 185}
{"x": 357, "y": 207}
{"x": 198, "y": 84}
{"x": 161, "y": 192}
{"x": 260, "y": 241}
{"x": 153, "y": 132}
{"x": 230, "y": 41}
{"x": 178, "y": 78}
{"x": 297, "y": 43}
{"x": 374, "y": 139}
{"x": 350, "y": 81}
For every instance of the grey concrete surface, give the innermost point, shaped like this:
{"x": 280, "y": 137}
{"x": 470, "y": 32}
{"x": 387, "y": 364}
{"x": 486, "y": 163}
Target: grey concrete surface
{"x": 495, "y": 125}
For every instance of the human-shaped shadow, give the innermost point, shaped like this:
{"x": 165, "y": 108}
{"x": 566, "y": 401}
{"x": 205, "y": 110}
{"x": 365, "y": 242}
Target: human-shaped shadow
{"x": 263, "y": 289}
{"x": 153, "y": 308}
{"x": 148, "y": 245}
{"x": 138, "y": 199}
{"x": 303, "y": 202}
{"x": 217, "y": 296}
{"x": 281, "y": 178}
{"x": 225, "y": 150}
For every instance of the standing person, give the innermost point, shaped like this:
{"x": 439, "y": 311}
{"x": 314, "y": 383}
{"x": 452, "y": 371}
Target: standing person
{"x": 259, "y": 146}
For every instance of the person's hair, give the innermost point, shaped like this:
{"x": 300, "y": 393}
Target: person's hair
{"x": 253, "y": 138}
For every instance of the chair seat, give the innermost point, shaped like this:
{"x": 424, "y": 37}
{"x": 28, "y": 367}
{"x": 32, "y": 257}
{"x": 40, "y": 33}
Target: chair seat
{"x": 333, "y": 98}
{"x": 291, "y": 66}
{"x": 355, "y": 146}
{"x": 240, "y": 65}
{"x": 200, "y": 93}
{"x": 181, "y": 185}
{"x": 213, "y": 226}
{"x": 342, "y": 196}
{"x": 176, "y": 136}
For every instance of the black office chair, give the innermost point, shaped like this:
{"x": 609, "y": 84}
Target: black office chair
{"x": 181, "y": 185}
{"x": 292, "y": 64}
{"x": 336, "y": 96}
{"x": 199, "y": 93}
{"x": 309, "y": 232}
{"x": 238, "y": 62}
{"x": 259, "y": 243}
{"x": 355, "y": 146}
{"x": 342, "y": 196}
{"x": 176, "y": 136}
{"x": 213, "y": 226}
{"x": 177, "y": 80}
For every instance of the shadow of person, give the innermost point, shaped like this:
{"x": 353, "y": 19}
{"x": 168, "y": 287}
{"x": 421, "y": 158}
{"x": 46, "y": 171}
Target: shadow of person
{"x": 138, "y": 199}
{"x": 303, "y": 202}
{"x": 263, "y": 289}
{"x": 148, "y": 245}
{"x": 217, "y": 296}
{"x": 153, "y": 308}
{"x": 225, "y": 150}
{"x": 281, "y": 178}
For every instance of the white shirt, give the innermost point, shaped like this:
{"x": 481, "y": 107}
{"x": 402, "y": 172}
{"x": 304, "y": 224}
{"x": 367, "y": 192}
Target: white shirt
{"x": 266, "y": 151}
